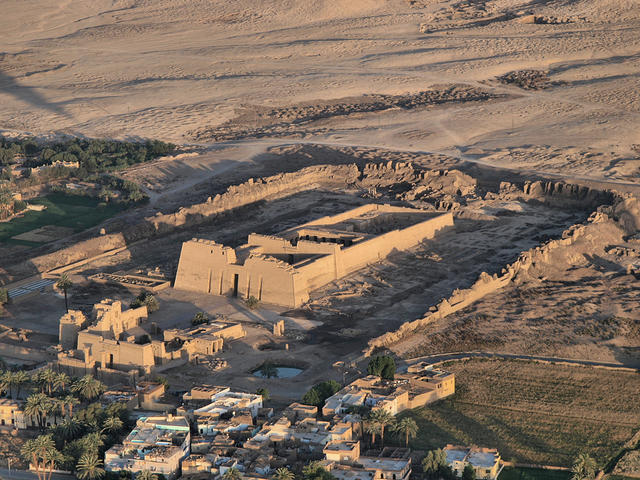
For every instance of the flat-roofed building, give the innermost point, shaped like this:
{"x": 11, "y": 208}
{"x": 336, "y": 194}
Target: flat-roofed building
{"x": 406, "y": 391}
{"x": 158, "y": 444}
{"x": 11, "y": 413}
{"x": 486, "y": 462}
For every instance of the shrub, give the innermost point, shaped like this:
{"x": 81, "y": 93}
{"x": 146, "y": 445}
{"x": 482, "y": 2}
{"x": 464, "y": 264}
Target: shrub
{"x": 320, "y": 392}
{"x": 252, "y": 302}
{"x": 199, "y": 318}
{"x": 383, "y": 366}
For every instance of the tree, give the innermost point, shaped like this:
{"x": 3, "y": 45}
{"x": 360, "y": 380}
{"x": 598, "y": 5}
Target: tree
{"x": 146, "y": 299}
{"x": 372, "y": 429}
{"x": 146, "y": 475}
{"x": 384, "y": 419}
{"x": 232, "y": 474}
{"x": 4, "y": 296}
{"x": 112, "y": 425}
{"x": 320, "y": 392}
{"x": 383, "y": 366}
{"x": 434, "y": 463}
{"x": 252, "y": 302}
{"x": 46, "y": 379}
{"x": 200, "y": 318}
{"x": 61, "y": 381}
{"x": 89, "y": 467}
{"x": 283, "y": 473}
{"x": 407, "y": 427}
{"x": 468, "y": 473}
{"x": 64, "y": 283}
{"x": 315, "y": 471}
{"x": 264, "y": 393}
{"x": 18, "y": 379}
{"x": 584, "y": 467}
{"x": 268, "y": 370}
{"x": 38, "y": 406}
{"x": 69, "y": 429}
{"x": 88, "y": 387}
{"x": 70, "y": 401}
{"x": 41, "y": 452}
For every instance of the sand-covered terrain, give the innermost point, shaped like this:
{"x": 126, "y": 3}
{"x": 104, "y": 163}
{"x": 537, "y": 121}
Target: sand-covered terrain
{"x": 187, "y": 70}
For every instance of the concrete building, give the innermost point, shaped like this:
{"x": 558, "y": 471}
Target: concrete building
{"x": 158, "y": 444}
{"x": 485, "y": 461}
{"x": 284, "y": 269}
{"x": 410, "y": 390}
{"x": 344, "y": 461}
{"x": 11, "y": 413}
{"x": 226, "y": 401}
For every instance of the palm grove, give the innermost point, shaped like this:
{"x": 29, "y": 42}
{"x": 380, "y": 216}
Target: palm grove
{"x": 74, "y": 429}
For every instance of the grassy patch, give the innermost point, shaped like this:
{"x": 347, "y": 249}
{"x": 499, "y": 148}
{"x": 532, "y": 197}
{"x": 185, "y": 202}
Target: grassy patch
{"x": 513, "y": 473}
{"x": 76, "y": 212}
{"x": 534, "y": 413}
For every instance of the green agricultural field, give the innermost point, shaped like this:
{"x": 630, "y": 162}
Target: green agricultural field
{"x": 511, "y": 473}
{"x": 72, "y": 212}
{"x": 534, "y": 413}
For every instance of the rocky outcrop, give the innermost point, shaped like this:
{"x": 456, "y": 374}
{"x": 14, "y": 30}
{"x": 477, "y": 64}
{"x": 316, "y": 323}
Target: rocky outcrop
{"x": 487, "y": 284}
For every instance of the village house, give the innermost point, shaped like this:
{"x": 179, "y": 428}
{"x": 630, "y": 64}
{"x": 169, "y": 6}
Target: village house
{"x": 158, "y": 444}
{"x": 406, "y": 391}
{"x": 11, "y": 413}
{"x": 485, "y": 461}
{"x": 344, "y": 461}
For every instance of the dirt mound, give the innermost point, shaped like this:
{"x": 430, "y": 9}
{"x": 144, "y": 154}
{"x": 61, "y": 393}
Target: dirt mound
{"x": 527, "y": 79}
{"x": 295, "y": 119}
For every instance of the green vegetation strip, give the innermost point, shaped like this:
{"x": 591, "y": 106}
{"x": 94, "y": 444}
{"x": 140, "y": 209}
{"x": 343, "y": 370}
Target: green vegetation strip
{"x": 532, "y": 413}
{"x": 70, "y": 211}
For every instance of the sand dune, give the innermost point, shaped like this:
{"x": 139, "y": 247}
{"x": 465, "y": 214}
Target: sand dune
{"x": 165, "y": 68}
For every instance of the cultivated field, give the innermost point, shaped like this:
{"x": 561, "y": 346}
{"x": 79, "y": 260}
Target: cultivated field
{"x": 71, "y": 212}
{"x": 534, "y": 413}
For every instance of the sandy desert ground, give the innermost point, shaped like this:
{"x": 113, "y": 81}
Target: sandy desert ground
{"x": 180, "y": 69}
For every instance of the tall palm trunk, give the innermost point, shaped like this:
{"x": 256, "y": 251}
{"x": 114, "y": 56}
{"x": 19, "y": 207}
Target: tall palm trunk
{"x": 66, "y": 303}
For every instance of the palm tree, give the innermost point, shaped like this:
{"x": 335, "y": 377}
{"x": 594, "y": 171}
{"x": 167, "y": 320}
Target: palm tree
{"x": 146, "y": 475}
{"x": 92, "y": 442}
{"x": 70, "y": 429}
{"x": 42, "y": 454}
{"x": 283, "y": 473}
{"x": 38, "y": 406}
{"x": 268, "y": 370}
{"x": 46, "y": 379}
{"x": 5, "y": 382}
{"x": 112, "y": 425}
{"x": 232, "y": 474}
{"x": 373, "y": 429}
{"x": 89, "y": 467}
{"x": 584, "y": 468}
{"x": 383, "y": 418}
{"x": 88, "y": 387}
{"x": 407, "y": 427}
{"x": 64, "y": 283}
{"x": 70, "y": 401}
{"x": 19, "y": 379}
{"x": 61, "y": 381}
